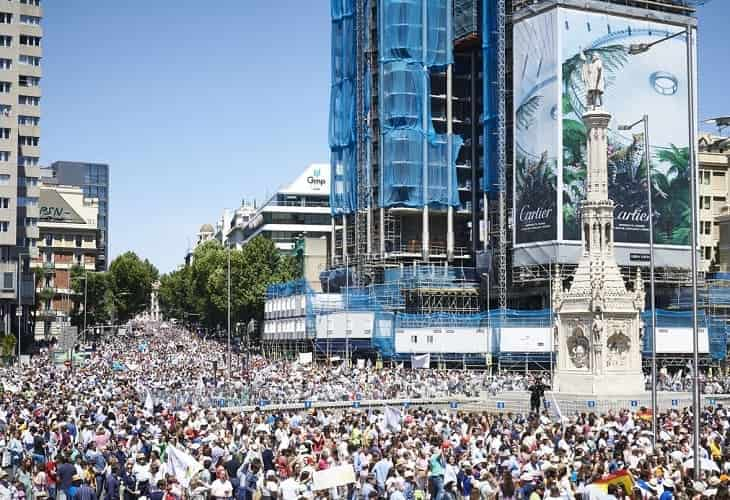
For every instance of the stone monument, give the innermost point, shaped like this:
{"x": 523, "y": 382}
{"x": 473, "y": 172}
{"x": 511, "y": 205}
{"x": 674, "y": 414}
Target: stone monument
{"x": 598, "y": 328}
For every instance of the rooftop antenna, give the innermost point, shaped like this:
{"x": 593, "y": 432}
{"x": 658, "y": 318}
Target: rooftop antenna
{"x": 721, "y": 122}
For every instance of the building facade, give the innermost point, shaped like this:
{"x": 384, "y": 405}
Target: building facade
{"x": 68, "y": 239}
{"x": 21, "y": 52}
{"x": 298, "y": 209}
{"x": 93, "y": 179}
{"x": 713, "y": 183}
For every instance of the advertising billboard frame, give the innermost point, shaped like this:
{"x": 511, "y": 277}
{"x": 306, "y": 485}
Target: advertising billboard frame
{"x": 566, "y": 251}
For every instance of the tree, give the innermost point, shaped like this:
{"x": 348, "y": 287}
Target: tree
{"x": 131, "y": 281}
{"x": 176, "y": 293}
{"x": 99, "y": 302}
{"x": 201, "y": 289}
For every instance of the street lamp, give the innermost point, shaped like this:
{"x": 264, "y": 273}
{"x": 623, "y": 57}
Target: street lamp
{"x": 647, "y": 162}
{"x": 86, "y": 281}
{"x": 228, "y": 356}
{"x": 640, "y": 48}
{"x": 19, "y": 312}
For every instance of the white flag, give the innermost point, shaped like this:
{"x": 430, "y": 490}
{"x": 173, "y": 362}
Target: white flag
{"x": 182, "y": 465}
{"x": 149, "y": 405}
{"x": 421, "y": 361}
{"x": 392, "y": 418}
{"x": 361, "y": 364}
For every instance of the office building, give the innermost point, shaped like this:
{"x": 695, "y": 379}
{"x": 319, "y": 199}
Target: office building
{"x": 298, "y": 209}
{"x": 20, "y": 95}
{"x": 68, "y": 238}
{"x": 93, "y": 179}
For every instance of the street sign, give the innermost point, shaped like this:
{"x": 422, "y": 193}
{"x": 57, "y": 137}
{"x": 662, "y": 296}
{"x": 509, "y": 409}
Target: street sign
{"x": 263, "y": 402}
{"x": 675, "y": 402}
{"x": 500, "y": 405}
{"x": 307, "y": 404}
{"x": 453, "y": 405}
{"x": 356, "y": 404}
{"x": 406, "y": 404}
{"x": 634, "y": 403}
{"x": 547, "y": 405}
{"x": 591, "y": 404}
{"x": 711, "y": 402}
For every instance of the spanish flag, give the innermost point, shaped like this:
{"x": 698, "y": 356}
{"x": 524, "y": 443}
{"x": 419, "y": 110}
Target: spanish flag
{"x": 622, "y": 477}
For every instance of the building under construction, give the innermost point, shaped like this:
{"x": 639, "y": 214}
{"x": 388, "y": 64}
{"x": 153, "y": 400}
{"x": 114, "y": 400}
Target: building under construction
{"x": 422, "y": 101}
{"x": 457, "y": 155}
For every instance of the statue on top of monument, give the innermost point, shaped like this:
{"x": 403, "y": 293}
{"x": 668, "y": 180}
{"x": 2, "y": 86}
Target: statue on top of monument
{"x": 594, "y": 80}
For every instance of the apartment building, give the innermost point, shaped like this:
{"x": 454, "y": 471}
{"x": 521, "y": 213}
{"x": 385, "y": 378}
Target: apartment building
{"x": 713, "y": 184}
{"x": 20, "y": 95}
{"x": 93, "y": 179}
{"x": 68, "y": 238}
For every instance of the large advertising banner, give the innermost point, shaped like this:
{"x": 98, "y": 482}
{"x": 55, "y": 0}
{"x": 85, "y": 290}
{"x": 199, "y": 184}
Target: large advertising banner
{"x": 536, "y": 134}
{"x": 652, "y": 83}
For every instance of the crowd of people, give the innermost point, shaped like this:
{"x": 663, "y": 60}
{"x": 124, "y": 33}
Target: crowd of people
{"x": 95, "y": 431}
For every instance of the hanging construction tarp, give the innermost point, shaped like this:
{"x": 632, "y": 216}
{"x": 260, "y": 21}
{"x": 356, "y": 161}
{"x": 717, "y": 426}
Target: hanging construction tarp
{"x": 418, "y": 167}
{"x": 342, "y": 123}
{"x": 490, "y": 102}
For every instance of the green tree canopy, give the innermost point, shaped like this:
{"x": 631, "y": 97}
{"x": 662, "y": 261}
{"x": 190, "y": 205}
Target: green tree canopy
{"x": 131, "y": 281}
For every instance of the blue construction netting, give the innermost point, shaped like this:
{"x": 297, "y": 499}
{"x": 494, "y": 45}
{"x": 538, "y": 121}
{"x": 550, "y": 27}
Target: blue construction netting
{"x": 490, "y": 101}
{"x": 716, "y": 329}
{"x": 415, "y": 36}
{"x": 706, "y": 296}
{"x": 342, "y": 129}
{"x": 288, "y": 289}
{"x": 384, "y": 334}
{"x": 441, "y": 320}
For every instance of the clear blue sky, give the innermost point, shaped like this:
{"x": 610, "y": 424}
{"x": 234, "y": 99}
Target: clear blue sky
{"x": 198, "y": 105}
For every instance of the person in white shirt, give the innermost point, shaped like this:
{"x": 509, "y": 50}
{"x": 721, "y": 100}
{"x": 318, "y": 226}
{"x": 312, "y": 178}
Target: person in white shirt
{"x": 221, "y": 488}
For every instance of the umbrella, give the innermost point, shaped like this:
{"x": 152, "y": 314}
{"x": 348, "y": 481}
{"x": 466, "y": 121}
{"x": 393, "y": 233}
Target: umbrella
{"x": 705, "y": 464}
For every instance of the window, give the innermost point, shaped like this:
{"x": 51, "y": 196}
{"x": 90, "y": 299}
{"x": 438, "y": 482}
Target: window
{"x": 29, "y": 60}
{"x": 705, "y": 202}
{"x": 37, "y": 3}
{"x": 7, "y": 281}
{"x": 78, "y": 242}
{"x": 6, "y": 63}
{"x": 29, "y": 121}
{"x": 28, "y": 140}
{"x": 5, "y": 109}
{"x": 705, "y": 177}
{"x": 429, "y": 339}
{"x": 4, "y": 226}
{"x": 4, "y": 133}
{"x": 6, "y": 18}
{"x": 49, "y": 240}
{"x": 6, "y": 41}
{"x": 29, "y": 100}
{"x": 4, "y": 202}
{"x": 28, "y": 181}
{"x": 4, "y": 87}
{"x": 414, "y": 339}
{"x": 706, "y": 227}
{"x": 27, "y": 201}
{"x": 32, "y": 41}
{"x": 4, "y": 179}
{"x": 34, "y": 20}
{"x": 28, "y": 161}
{"x": 707, "y": 251}
{"x": 31, "y": 222}
{"x": 29, "y": 81}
